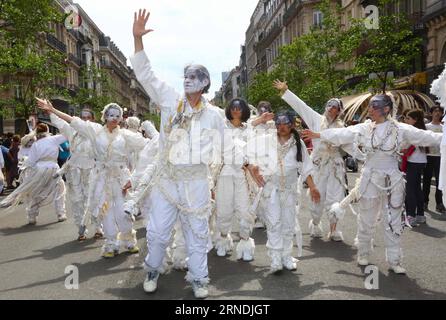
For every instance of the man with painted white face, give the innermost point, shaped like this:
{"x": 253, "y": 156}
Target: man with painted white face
{"x": 189, "y": 127}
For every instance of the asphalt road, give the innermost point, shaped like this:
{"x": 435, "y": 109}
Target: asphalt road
{"x": 33, "y": 261}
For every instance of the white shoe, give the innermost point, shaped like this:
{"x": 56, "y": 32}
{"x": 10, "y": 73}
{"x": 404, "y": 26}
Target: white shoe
{"x": 200, "y": 290}
{"x": 290, "y": 263}
{"x": 224, "y": 245}
{"x": 336, "y": 236}
{"x": 32, "y": 221}
{"x": 245, "y": 249}
{"x": 276, "y": 263}
{"x": 62, "y": 218}
{"x": 315, "y": 230}
{"x": 151, "y": 282}
{"x": 398, "y": 269}
{"x": 363, "y": 261}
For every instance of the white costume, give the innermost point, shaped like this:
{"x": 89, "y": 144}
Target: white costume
{"x": 329, "y": 173}
{"x": 77, "y": 172}
{"x": 133, "y": 124}
{"x": 180, "y": 183}
{"x": 282, "y": 173}
{"x": 381, "y": 187}
{"x": 41, "y": 184}
{"x": 232, "y": 195}
{"x": 107, "y": 180}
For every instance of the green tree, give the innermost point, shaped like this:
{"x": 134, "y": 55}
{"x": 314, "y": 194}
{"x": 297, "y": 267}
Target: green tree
{"x": 27, "y": 64}
{"x": 390, "y": 48}
{"x": 97, "y": 89}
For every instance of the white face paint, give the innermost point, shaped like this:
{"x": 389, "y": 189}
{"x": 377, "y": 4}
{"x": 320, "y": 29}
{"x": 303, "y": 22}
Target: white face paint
{"x": 112, "y": 114}
{"x": 192, "y": 83}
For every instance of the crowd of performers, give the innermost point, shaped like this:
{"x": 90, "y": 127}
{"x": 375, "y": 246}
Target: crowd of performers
{"x": 208, "y": 166}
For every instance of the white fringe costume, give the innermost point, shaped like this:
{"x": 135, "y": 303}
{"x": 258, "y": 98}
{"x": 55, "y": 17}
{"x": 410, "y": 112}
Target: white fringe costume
{"x": 278, "y": 198}
{"x": 77, "y": 172}
{"x": 438, "y": 89}
{"x": 329, "y": 172}
{"x": 41, "y": 184}
{"x": 107, "y": 179}
{"x": 232, "y": 196}
{"x": 381, "y": 188}
{"x": 181, "y": 187}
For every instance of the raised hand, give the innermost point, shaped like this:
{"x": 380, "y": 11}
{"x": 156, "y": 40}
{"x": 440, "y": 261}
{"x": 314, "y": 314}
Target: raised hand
{"x": 315, "y": 195}
{"x": 45, "y": 105}
{"x": 281, "y": 86}
{"x": 139, "y": 23}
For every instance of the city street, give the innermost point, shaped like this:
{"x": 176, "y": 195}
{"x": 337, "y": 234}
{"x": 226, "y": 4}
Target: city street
{"x": 33, "y": 261}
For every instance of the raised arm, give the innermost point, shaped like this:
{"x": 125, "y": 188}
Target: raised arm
{"x": 160, "y": 92}
{"x": 420, "y": 138}
{"x": 46, "y": 106}
{"x": 311, "y": 117}
{"x": 338, "y": 136}
{"x": 64, "y": 127}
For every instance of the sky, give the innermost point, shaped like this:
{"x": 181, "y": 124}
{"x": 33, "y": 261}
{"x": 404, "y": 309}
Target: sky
{"x": 207, "y": 32}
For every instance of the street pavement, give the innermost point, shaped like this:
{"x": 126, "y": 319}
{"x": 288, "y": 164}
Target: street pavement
{"x": 33, "y": 261}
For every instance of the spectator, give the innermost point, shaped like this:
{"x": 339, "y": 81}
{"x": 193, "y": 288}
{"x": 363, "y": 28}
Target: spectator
{"x": 416, "y": 163}
{"x": 2, "y": 177}
{"x": 433, "y": 162}
{"x": 12, "y": 169}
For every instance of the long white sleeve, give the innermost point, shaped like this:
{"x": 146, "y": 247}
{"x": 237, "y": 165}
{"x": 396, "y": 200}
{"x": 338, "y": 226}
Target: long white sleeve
{"x": 307, "y": 163}
{"x": 160, "y": 92}
{"x": 64, "y": 127}
{"x": 343, "y": 136}
{"x": 311, "y": 117}
{"x": 420, "y": 138}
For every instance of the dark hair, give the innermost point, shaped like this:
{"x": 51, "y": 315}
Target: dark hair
{"x": 41, "y": 128}
{"x": 264, "y": 104}
{"x": 418, "y": 116}
{"x": 90, "y": 111}
{"x": 246, "y": 112}
{"x": 16, "y": 138}
{"x": 436, "y": 107}
{"x": 298, "y": 144}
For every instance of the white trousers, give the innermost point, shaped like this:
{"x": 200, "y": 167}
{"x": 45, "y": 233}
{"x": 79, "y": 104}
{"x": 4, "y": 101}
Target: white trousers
{"x": 163, "y": 215}
{"x": 327, "y": 179}
{"x": 118, "y": 226}
{"x": 281, "y": 219}
{"x": 232, "y": 199}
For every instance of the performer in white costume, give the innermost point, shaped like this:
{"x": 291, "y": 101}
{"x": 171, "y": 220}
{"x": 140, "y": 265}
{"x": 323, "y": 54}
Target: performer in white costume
{"x": 381, "y": 186}
{"x": 181, "y": 187}
{"x": 41, "y": 184}
{"x": 110, "y": 177}
{"x": 329, "y": 173}
{"x": 438, "y": 89}
{"x": 232, "y": 194}
{"x": 133, "y": 124}
{"x": 77, "y": 172}
{"x": 276, "y": 167}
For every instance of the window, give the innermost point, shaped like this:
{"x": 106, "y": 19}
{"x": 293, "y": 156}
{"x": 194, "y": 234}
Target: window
{"x": 317, "y": 18}
{"x": 18, "y": 91}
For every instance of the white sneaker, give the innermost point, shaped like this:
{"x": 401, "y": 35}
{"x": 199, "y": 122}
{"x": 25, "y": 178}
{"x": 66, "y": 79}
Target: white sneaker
{"x": 421, "y": 219}
{"x": 398, "y": 269}
{"x": 151, "y": 282}
{"x": 276, "y": 264}
{"x": 62, "y": 218}
{"x": 336, "y": 236}
{"x": 363, "y": 261}
{"x": 245, "y": 249}
{"x": 290, "y": 263}
{"x": 315, "y": 230}
{"x": 200, "y": 290}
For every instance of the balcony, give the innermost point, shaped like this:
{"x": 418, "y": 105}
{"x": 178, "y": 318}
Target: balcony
{"x": 434, "y": 9}
{"x": 56, "y": 43}
{"x": 291, "y": 12}
{"x": 74, "y": 59}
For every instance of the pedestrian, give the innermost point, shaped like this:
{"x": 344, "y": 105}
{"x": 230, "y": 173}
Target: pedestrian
{"x": 77, "y": 170}
{"x": 41, "y": 184}
{"x": 329, "y": 173}
{"x": 278, "y": 170}
{"x": 433, "y": 162}
{"x": 110, "y": 178}
{"x": 181, "y": 187}
{"x": 231, "y": 192}
{"x": 381, "y": 188}
{"x": 12, "y": 169}
{"x": 416, "y": 163}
